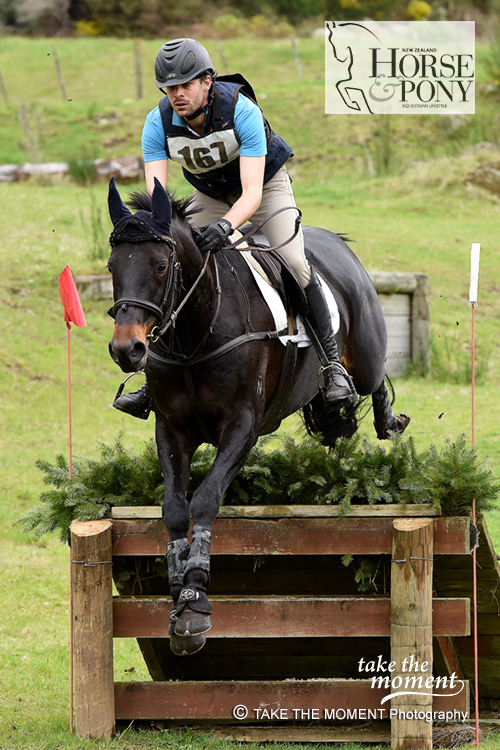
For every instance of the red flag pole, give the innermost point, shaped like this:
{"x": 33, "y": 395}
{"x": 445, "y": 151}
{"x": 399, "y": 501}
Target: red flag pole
{"x": 71, "y": 678}
{"x": 73, "y": 313}
{"x": 70, "y": 439}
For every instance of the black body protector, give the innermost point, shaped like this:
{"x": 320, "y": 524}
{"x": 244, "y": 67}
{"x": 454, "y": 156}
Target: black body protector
{"x": 210, "y": 162}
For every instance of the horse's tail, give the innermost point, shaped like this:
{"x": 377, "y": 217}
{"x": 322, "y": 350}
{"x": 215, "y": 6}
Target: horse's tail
{"x": 331, "y": 424}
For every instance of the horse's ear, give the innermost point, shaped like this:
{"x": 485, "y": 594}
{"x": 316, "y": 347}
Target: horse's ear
{"x": 117, "y": 208}
{"x": 161, "y": 207}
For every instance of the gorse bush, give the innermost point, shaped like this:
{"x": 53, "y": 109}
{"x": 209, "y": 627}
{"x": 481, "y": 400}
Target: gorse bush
{"x": 358, "y": 471}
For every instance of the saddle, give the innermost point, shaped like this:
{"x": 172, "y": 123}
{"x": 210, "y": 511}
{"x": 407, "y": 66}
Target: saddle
{"x": 279, "y": 273}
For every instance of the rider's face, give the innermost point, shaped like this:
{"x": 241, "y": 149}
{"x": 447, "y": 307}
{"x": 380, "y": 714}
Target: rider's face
{"x": 186, "y": 98}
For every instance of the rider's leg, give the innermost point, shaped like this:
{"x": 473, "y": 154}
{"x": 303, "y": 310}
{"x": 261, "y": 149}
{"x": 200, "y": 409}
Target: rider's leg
{"x": 278, "y": 194}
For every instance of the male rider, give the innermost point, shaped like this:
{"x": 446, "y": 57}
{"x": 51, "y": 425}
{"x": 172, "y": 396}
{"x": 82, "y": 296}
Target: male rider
{"x": 215, "y": 130}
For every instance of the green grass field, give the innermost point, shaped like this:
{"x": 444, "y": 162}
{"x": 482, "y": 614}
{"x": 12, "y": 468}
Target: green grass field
{"x": 419, "y": 216}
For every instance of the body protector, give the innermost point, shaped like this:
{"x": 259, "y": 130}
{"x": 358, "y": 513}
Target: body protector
{"x": 210, "y": 162}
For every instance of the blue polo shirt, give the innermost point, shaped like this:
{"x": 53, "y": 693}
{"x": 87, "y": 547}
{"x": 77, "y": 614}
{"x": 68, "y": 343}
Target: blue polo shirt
{"x": 248, "y": 123}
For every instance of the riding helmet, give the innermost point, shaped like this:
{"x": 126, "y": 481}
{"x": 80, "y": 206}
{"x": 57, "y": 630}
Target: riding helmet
{"x": 181, "y": 60}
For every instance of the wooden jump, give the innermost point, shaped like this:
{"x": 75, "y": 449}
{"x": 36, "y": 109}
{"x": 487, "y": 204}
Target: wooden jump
{"x": 261, "y": 642}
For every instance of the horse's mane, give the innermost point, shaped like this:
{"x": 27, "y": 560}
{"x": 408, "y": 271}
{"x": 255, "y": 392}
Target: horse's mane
{"x": 181, "y": 208}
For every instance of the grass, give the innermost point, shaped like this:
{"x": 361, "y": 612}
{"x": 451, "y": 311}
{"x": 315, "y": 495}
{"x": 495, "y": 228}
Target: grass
{"x": 418, "y": 216}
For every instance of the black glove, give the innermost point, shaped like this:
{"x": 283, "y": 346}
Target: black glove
{"x": 214, "y": 236}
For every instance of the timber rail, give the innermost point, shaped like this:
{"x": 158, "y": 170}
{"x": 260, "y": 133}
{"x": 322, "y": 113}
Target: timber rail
{"x": 289, "y": 626}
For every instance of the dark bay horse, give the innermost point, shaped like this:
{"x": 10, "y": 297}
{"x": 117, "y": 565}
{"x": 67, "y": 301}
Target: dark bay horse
{"x": 198, "y": 327}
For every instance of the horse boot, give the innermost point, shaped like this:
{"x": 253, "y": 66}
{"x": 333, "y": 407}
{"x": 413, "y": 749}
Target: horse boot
{"x": 386, "y": 421}
{"x": 176, "y": 557}
{"x": 337, "y": 383}
{"x": 137, "y": 403}
{"x": 193, "y": 608}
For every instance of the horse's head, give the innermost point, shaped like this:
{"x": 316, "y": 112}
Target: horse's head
{"x": 141, "y": 262}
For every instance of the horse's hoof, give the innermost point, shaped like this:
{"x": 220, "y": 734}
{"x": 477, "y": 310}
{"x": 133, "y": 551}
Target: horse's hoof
{"x": 402, "y": 422}
{"x": 191, "y": 623}
{"x": 186, "y": 646}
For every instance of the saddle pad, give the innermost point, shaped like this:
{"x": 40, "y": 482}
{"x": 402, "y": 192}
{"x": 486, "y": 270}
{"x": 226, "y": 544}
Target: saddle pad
{"x": 275, "y": 305}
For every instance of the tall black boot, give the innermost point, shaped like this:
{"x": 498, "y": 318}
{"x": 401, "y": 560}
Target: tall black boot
{"x": 337, "y": 384}
{"x": 137, "y": 403}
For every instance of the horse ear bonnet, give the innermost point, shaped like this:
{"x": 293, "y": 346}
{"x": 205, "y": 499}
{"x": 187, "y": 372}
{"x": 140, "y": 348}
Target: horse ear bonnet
{"x": 117, "y": 208}
{"x": 143, "y": 226}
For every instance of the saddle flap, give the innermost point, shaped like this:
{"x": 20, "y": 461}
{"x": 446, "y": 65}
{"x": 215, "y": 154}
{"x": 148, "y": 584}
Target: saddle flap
{"x": 279, "y": 271}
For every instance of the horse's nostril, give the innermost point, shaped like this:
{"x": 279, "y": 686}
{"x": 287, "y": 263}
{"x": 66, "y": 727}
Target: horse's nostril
{"x": 112, "y": 353}
{"x": 130, "y": 355}
{"x": 137, "y": 352}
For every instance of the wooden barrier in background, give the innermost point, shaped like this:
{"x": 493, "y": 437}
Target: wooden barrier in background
{"x": 289, "y": 627}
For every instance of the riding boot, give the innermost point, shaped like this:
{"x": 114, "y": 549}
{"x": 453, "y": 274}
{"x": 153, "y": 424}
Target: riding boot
{"x": 136, "y": 403}
{"x": 337, "y": 384}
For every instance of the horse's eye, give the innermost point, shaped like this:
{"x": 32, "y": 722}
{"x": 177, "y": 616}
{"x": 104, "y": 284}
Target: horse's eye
{"x": 162, "y": 268}
{"x": 108, "y": 266}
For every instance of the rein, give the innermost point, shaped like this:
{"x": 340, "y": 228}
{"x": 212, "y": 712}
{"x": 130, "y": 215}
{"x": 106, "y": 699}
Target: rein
{"x": 167, "y": 315}
{"x": 261, "y": 223}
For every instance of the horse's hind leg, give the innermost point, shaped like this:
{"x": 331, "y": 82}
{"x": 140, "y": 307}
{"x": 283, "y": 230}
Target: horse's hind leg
{"x": 385, "y": 420}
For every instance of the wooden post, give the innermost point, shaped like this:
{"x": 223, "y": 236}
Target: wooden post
{"x": 93, "y": 628}
{"x": 60, "y": 76}
{"x": 296, "y": 57}
{"x": 3, "y": 89}
{"x": 138, "y": 68}
{"x": 411, "y": 631}
{"x": 222, "y": 56}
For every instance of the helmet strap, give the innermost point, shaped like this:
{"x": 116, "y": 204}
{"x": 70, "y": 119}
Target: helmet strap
{"x": 201, "y": 110}
{"x": 196, "y": 114}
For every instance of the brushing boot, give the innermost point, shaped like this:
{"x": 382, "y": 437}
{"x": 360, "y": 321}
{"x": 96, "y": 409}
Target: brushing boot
{"x": 337, "y": 383}
{"x": 177, "y": 554}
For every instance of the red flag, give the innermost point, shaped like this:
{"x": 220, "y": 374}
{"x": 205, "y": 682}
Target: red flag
{"x": 73, "y": 311}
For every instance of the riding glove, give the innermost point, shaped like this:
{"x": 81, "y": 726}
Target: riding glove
{"x": 214, "y": 236}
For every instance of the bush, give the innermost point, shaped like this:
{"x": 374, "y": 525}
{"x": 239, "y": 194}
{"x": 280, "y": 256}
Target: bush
{"x": 358, "y": 471}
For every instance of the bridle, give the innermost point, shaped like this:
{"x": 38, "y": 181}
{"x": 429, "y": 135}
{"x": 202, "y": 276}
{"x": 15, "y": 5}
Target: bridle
{"x": 167, "y": 312}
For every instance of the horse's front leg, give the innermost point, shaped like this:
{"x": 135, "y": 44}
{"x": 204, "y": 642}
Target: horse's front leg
{"x": 236, "y": 440}
{"x": 175, "y": 459}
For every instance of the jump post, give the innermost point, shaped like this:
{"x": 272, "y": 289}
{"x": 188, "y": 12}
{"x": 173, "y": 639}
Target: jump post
{"x": 289, "y": 628}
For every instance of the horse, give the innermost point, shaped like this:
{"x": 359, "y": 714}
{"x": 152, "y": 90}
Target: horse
{"x": 198, "y": 327}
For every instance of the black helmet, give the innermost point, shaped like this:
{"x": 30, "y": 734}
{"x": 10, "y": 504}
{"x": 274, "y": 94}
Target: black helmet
{"x": 181, "y": 60}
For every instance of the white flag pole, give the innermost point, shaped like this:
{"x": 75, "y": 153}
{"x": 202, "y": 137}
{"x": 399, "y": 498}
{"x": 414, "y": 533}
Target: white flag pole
{"x": 474, "y": 280}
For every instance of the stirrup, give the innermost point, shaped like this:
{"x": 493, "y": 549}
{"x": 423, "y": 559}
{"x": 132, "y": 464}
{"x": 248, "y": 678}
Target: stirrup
{"x": 332, "y": 391}
{"x": 137, "y": 403}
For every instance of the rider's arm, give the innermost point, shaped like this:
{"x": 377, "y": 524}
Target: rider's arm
{"x": 157, "y": 169}
{"x": 153, "y": 150}
{"x": 252, "y": 180}
{"x": 249, "y": 125}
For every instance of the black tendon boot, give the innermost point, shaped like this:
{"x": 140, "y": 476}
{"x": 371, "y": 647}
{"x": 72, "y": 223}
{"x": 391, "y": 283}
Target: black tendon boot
{"x": 337, "y": 384}
{"x": 193, "y": 609}
{"x": 137, "y": 403}
{"x": 177, "y": 555}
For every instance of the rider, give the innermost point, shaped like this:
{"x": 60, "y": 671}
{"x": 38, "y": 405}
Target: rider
{"x": 215, "y": 129}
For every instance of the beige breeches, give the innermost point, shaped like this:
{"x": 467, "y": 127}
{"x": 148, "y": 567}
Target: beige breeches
{"x": 277, "y": 193}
